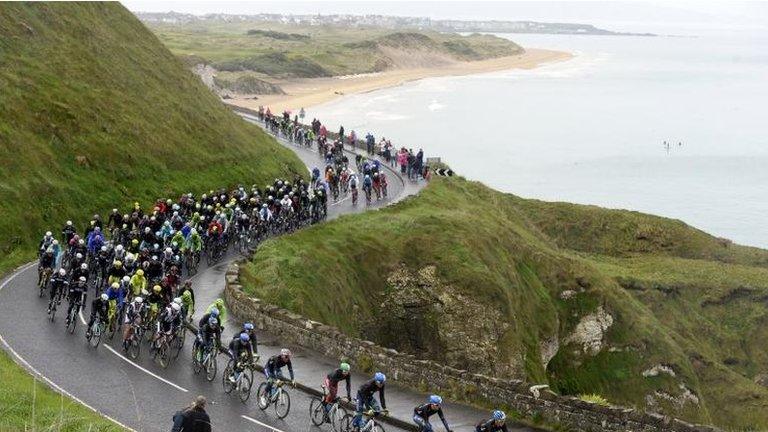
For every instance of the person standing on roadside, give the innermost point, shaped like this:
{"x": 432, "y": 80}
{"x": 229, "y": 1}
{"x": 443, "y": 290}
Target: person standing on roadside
{"x": 192, "y": 419}
{"x": 341, "y": 134}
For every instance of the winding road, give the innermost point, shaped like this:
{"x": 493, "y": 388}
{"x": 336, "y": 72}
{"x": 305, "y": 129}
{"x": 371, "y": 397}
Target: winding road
{"x": 139, "y": 394}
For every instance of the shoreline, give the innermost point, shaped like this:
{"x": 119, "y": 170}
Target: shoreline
{"x": 309, "y": 92}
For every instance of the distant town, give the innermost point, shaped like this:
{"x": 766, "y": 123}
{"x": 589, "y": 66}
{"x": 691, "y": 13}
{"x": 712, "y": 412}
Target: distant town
{"x": 393, "y": 22}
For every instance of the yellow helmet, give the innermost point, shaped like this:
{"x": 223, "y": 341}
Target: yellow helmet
{"x": 157, "y": 289}
{"x": 140, "y": 272}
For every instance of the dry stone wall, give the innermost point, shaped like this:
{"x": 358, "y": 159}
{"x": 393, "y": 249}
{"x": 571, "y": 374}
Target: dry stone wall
{"x": 425, "y": 374}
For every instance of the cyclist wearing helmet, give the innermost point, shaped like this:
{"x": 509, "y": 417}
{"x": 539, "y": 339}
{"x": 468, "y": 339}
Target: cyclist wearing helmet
{"x": 168, "y": 322}
{"x": 99, "y": 307}
{"x": 274, "y": 366}
{"x": 332, "y": 381}
{"x": 210, "y": 330}
{"x": 365, "y": 399}
{"x": 251, "y": 332}
{"x": 138, "y": 282}
{"x": 133, "y": 314}
{"x": 240, "y": 347}
{"x": 422, "y": 413}
{"x": 187, "y": 304}
{"x": 497, "y": 423}
{"x": 59, "y": 285}
{"x": 219, "y": 306}
{"x": 77, "y": 295}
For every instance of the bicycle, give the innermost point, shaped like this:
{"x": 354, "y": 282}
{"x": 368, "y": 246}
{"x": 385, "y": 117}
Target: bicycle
{"x": 161, "y": 347}
{"x": 371, "y": 425}
{"x": 93, "y": 336}
{"x": 242, "y": 383}
{"x": 319, "y": 415}
{"x": 354, "y": 196}
{"x": 53, "y": 305}
{"x": 192, "y": 262}
{"x": 134, "y": 343}
{"x": 43, "y": 277}
{"x": 279, "y": 397}
{"x": 207, "y": 361}
{"x": 72, "y": 318}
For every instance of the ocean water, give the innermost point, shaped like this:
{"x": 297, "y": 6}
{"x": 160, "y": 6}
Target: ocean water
{"x": 592, "y": 130}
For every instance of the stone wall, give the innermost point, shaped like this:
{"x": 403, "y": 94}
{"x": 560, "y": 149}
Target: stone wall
{"x": 457, "y": 384}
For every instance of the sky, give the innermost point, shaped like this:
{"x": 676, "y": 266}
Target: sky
{"x": 625, "y": 14}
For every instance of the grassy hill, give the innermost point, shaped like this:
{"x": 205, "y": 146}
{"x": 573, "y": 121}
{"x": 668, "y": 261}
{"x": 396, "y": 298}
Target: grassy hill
{"x": 643, "y": 310}
{"x": 267, "y": 50}
{"x": 89, "y": 82}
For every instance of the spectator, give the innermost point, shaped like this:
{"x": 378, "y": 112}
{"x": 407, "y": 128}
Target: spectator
{"x": 192, "y": 419}
{"x": 419, "y": 161}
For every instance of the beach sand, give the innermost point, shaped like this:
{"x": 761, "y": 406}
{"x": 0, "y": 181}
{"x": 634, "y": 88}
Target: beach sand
{"x": 308, "y": 92}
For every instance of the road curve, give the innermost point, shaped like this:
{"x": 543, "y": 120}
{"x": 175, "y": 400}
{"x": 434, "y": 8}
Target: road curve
{"x": 139, "y": 394}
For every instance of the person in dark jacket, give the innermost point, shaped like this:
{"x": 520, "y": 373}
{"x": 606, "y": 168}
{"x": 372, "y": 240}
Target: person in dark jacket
{"x": 192, "y": 419}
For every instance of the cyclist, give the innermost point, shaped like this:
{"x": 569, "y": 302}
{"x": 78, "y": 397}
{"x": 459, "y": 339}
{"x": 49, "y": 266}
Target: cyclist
{"x": 155, "y": 301}
{"x": 422, "y": 413}
{"x": 45, "y": 243}
{"x": 168, "y": 322}
{"x": 218, "y": 304}
{"x": 59, "y": 285}
{"x": 273, "y": 369}
{"x": 332, "y": 381}
{"x": 367, "y": 186}
{"x": 133, "y": 314}
{"x": 138, "y": 283}
{"x": 365, "y": 399}
{"x": 495, "y": 424}
{"x": 68, "y": 232}
{"x": 47, "y": 262}
{"x": 116, "y": 272}
{"x": 80, "y": 271}
{"x": 187, "y": 305}
{"x": 116, "y": 294}
{"x": 208, "y": 333}
{"x": 76, "y": 296}
{"x": 100, "y": 309}
{"x": 240, "y": 345}
{"x": 251, "y": 332}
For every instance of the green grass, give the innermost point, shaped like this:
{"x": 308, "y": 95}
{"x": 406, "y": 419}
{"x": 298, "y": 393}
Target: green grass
{"x": 280, "y": 51}
{"x": 90, "y": 80}
{"x": 29, "y": 404}
{"x": 677, "y": 296}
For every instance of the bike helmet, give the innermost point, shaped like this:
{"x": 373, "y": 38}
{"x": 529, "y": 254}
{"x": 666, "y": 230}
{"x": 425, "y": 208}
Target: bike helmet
{"x": 435, "y": 399}
{"x": 55, "y": 242}
{"x": 135, "y": 242}
{"x": 177, "y": 300}
{"x": 69, "y": 223}
{"x": 140, "y": 272}
{"x": 212, "y": 321}
{"x": 214, "y": 312}
{"x": 157, "y": 288}
{"x": 104, "y": 297}
{"x": 84, "y": 266}
{"x": 119, "y": 247}
{"x": 176, "y": 307}
{"x": 248, "y": 326}
{"x": 186, "y": 295}
{"x": 499, "y": 415}
{"x": 344, "y": 367}
{"x": 219, "y": 302}
{"x": 380, "y": 377}
{"x": 118, "y": 264}
{"x": 138, "y": 300}
{"x": 244, "y": 337}
{"x": 62, "y": 272}
{"x": 79, "y": 255}
{"x": 285, "y": 352}
{"x": 103, "y": 248}
{"x": 82, "y": 279}
{"x": 48, "y": 233}
{"x": 168, "y": 250}
{"x": 81, "y": 242}
{"x": 126, "y": 278}
{"x": 115, "y": 285}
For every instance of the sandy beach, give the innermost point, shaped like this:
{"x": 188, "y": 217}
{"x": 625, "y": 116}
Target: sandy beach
{"x": 315, "y": 91}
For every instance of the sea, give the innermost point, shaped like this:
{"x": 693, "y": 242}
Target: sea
{"x": 674, "y": 125}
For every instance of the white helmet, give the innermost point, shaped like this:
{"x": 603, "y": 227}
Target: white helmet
{"x": 176, "y": 307}
{"x": 69, "y": 223}
{"x": 168, "y": 250}
{"x": 285, "y": 352}
{"x": 119, "y": 248}
{"x": 138, "y": 299}
{"x": 104, "y": 297}
{"x": 177, "y": 300}
{"x": 84, "y": 266}
{"x": 48, "y": 233}
{"x": 79, "y": 255}
{"x": 62, "y": 272}
{"x": 103, "y": 248}
{"x": 82, "y": 279}
{"x": 126, "y": 278}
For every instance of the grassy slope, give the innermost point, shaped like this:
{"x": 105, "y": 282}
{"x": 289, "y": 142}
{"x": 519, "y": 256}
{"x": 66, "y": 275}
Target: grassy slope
{"x": 669, "y": 288}
{"x": 90, "y": 80}
{"x": 28, "y": 404}
{"x": 329, "y": 50}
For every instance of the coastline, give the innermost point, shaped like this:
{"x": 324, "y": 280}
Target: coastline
{"x": 309, "y": 92}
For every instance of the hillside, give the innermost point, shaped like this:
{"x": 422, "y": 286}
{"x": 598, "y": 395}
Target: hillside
{"x": 271, "y": 51}
{"x": 97, "y": 112}
{"x": 643, "y": 310}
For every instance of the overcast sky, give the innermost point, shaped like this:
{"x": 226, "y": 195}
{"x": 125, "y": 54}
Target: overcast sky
{"x": 753, "y": 13}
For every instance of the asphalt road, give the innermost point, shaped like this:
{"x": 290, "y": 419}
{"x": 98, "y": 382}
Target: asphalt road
{"x": 140, "y": 394}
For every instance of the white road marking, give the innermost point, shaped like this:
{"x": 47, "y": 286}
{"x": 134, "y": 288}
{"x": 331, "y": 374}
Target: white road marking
{"x": 25, "y": 364}
{"x": 253, "y": 420}
{"x": 129, "y": 361}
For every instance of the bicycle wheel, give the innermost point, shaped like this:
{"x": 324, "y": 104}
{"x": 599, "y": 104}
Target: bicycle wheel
{"x": 283, "y": 404}
{"x": 41, "y": 285}
{"x": 134, "y": 349}
{"x": 72, "y": 322}
{"x": 261, "y": 395}
{"x": 345, "y": 424}
{"x": 316, "y": 412}
{"x": 52, "y": 314}
{"x": 244, "y": 390}
{"x": 225, "y": 382}
{"x": 336, "y": 417}
{"x": 178, "y": 343}
{"x": 95, "y": 338}
{"x": 211, "y": 368}
{"x": 377, "y": 427}
{"x": 196, "y": 366}
{"x": 163, "y": 356}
